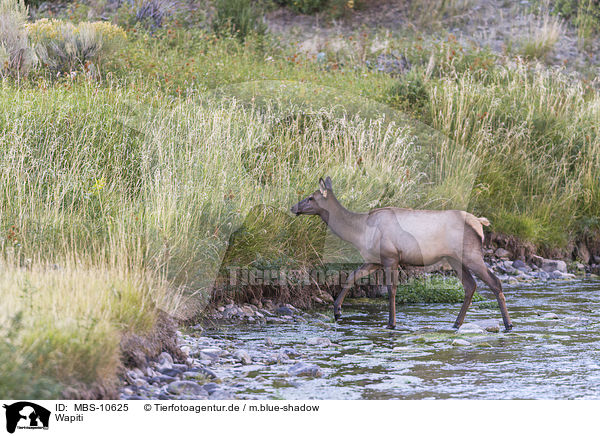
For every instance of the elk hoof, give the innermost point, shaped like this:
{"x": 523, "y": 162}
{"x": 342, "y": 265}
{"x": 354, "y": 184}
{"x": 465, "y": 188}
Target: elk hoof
{"x": 455, "y": 326}
{"x": 390, "y": 327}
{"x": 508, "y": 328}
{"x": 337, "y": 315}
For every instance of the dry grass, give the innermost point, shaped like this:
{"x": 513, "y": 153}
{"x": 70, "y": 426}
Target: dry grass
{"x": 543, "y": 34}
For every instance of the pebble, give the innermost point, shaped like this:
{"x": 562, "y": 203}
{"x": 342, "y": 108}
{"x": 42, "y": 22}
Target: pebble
{"x": 284, "y": 310}
{"x": 242, "y": 356}
{"x": 165, "y": 360}
{"x": 210, "y": 387}
{"x": 460, "y": 343}
{"x": 305, "y": 369}
{"x": 470, "y": 328}
{"x": 319, "y": 342}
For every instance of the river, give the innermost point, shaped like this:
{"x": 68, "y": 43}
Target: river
{"x": 553, "y": 351}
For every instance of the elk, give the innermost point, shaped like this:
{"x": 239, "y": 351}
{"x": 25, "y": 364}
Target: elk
{"x": 389, "y": 237}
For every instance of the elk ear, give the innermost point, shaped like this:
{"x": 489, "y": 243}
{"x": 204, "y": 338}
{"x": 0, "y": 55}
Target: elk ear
{"x": 323, "y": 187}
{"x": 328, "y": 184}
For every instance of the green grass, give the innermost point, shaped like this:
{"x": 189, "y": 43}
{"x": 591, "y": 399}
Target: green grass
{"x": 432, "y": 289}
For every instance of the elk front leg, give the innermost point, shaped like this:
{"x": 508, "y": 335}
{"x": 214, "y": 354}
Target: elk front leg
{"x": 391, "y": 278}
{"x": 362, "y": 271}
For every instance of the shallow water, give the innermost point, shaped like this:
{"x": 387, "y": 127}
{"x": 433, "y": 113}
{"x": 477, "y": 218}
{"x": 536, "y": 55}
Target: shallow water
{"x": 541, "y": 358}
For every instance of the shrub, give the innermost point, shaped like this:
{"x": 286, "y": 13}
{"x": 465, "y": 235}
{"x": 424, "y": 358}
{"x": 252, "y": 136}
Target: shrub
{"x": 409, "y": 93}
{"x": 307, "y": 6}
{"x": 337, "y": 8}
{"x": 16, "y": 55}
{"x": 63, "y": 47}
{"x": 239, "y": 18}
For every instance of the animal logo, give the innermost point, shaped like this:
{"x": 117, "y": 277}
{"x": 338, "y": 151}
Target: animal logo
{"x": 24, "y": 414}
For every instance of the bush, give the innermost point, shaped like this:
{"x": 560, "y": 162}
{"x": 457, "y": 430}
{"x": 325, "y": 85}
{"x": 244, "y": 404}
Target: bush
{"x": 337, "y": 8}
{"x": 16, "y": 55}
{"x": 63, "y": 47}
{"x": 307, "y": 6}
{"x": 238, "y": 18}
{"x": 409, "y": 93}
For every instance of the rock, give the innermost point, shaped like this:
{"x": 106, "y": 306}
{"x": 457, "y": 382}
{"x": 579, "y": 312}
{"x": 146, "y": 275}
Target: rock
{"x": 290, "y": 352}
{"x": 537, "y": 260}
{"x": 131, "y": 377}
{"x": 187, "y": 387}
{"x": 521, "y": 266}
{"x": 543, "y": 275}
{"x": 305, "y": 369}
{"x": 550, "y": 265}
{"x": 127, "y": 391}
{"x": 320, "y": 342}
{"x": 247, "y": 311}
{"x": 284, "y": 310}
{"x": 140, "y": 382}
{"x": 242, "y": 356}
{"x": 555, "y": 275}
{"x": 394, "y": 64}
{"x": 173, "y": 371}
{"x": 211, "y": 357}
{"x": 460, "y": 343}
{"x": 210, "y": 387}
{"x": 503, "y": 253}
{"x": 490, "y": 325}
{"x": 206, "y": 372}
{"x": 162, "y": 379}
{"x": 165, "y": 360}
{"x": 469, "y": 328}
{"x": 268, "y": 341}
{"x": 506, "y": 267}
{"x": 596, "y": 259}
{"x": 580, "y": 266}
{"x": 550, "y": 315}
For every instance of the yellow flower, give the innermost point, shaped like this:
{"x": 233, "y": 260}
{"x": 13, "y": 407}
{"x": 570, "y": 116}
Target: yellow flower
{"x": 99, "y": 184}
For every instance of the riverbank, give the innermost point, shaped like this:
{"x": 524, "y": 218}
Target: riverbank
{"x": 292, "y": 354}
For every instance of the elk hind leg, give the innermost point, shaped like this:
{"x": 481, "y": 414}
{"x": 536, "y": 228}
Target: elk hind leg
{"x": 469, "y": 286}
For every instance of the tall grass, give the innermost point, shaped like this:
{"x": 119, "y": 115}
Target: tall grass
{"x": 543, "y": 34}
{"x": 536, "y": 134}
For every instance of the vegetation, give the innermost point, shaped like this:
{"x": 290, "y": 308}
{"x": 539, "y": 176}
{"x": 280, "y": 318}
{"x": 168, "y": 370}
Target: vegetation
{"x": 432, "y": 289}
{"x": 120, "y": 190}
{"x": 584, "y": 14}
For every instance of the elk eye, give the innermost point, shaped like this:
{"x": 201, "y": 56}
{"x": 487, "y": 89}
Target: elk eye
{"x": 311, "y": 198}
